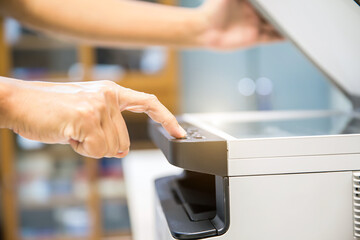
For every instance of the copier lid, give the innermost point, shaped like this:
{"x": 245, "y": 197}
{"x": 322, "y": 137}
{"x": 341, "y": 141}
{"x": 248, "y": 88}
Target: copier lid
{"x": 327, "y": 31}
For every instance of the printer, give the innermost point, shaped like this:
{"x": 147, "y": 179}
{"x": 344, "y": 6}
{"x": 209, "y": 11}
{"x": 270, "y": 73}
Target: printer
{"x": 274, "y": 175}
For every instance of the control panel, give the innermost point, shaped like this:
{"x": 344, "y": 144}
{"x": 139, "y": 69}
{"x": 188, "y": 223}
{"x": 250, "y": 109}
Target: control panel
{"x": 200, "y": 151}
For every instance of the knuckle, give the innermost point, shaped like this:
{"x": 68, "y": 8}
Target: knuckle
{"x": 108, "y": 83}
{"x": 102, "y": 152}
{"x": 168, "y": 120}
{"x": 87, "y": 112}
{"x": 97, "y": 103}
{"x": 100, "y": 106}
{"x": 124, "y": 154}
{"x": 88, "y": 115}
{"x": 113, "y": 153}
{"x": 124, "y": 146}
{"x": 113, "y": 150}
{"x": 97, "y": 154}
{"x": 109, "y": 94}
{"x": 150, "y": 101}
{"x": 98, "y": 149}
{"x": 107, "y": 86}
{"x": 152, "y": 98}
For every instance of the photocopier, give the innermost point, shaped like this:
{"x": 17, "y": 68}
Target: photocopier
{"x": 274, "y": 175}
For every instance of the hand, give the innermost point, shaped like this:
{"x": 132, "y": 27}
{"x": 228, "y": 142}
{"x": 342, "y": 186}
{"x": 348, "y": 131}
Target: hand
{"x": 233, "y": 24}
{"x": 86, "y": 115}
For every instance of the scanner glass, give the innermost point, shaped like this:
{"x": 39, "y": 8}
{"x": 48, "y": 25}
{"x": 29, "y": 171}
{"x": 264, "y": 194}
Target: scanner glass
{"x": 283, "y": 127}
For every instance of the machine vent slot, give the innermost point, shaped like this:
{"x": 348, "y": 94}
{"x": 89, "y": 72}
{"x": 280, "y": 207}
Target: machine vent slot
{"x": 356, "y": 203}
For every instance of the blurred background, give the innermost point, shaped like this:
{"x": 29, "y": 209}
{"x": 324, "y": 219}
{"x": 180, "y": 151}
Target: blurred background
{"x": 50, "y": 192}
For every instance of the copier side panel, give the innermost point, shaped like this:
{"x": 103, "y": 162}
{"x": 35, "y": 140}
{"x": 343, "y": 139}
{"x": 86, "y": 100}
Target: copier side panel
{"x": 293, "y": 164}
{"x": 313, "y": 206}
{"x": 294, "y": 146}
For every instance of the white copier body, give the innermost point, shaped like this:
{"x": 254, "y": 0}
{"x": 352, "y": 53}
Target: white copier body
{"x": 294, "y": 185}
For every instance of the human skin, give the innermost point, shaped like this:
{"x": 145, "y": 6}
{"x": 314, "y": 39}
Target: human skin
{"x": 88, "y": 115}
{"x": 217, "y": 24}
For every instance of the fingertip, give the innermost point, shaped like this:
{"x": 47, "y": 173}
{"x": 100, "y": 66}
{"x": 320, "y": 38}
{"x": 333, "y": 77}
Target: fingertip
{"x": 122, "y": 154}
{"x": 178, "y": 132}
{"x": 182, "y": 131}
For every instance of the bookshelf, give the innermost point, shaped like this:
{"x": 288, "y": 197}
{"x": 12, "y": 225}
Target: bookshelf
{"x": 163, "y": 83}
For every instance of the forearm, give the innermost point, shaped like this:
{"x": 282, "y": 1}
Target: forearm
{"x": 14, "y": 100}
{"x": 85, "y": 115}
{"x": 114, "y": 23}
{"x": 7, "y": 94}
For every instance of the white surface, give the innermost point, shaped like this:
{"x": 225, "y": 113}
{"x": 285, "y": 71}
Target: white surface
{"x": 326, "y": 30}
{"x": 315, "y": 206}
{"x": 162, "y": 229}
{"x": 299, "y": 164}
{"x": 294, "y": 146}
{"x": 141, "y": 168}
{"x": 290, "y": 154}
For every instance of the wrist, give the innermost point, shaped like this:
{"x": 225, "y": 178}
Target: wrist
{"x": 7, "y": 92}
{"x": 205, "y": 35}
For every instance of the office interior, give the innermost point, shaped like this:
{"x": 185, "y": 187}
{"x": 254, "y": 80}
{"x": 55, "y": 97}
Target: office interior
{"x": 50, "y": 192}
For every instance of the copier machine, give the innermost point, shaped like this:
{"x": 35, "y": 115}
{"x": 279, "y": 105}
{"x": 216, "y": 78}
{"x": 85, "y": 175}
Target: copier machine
{"x": 273, "y": 175}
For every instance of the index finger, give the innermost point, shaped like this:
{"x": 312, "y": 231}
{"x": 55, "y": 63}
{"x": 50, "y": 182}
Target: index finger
{"x": 147, "y": 103}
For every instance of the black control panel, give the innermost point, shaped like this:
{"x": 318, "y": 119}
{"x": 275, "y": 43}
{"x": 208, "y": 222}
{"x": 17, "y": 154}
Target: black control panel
{"x": 193, "y": 133}
{"x": 195, "y": 203}
{"x": 200, "y": 151}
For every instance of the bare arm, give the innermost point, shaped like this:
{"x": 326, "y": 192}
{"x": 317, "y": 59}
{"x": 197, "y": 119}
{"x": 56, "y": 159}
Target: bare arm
{"x": 86, "y": 115}
{"x": 110, "y": 22}
{"x": 216, "y": 24}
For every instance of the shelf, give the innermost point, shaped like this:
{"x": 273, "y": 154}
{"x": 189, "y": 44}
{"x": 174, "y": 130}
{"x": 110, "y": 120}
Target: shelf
{"x": 118, "y": 238}
{"x": 52, "y": 203}
{"x": 56, "y": 77}
{"x": 55, "y": 150}
{"x": 119, "y": 235}
{"x": 59, "y": 237}
{"x": 35, "y": 42}
{"x": 60, "y": 202}
{"x": 117, "y": 199}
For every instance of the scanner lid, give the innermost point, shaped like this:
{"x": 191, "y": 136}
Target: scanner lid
{"x": 327, "y": 32}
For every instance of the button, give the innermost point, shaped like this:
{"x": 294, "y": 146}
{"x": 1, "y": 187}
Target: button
{"x": 199, "y": 137}
{"x": 192, "y": 130}
{"x": 184, "y": 137}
